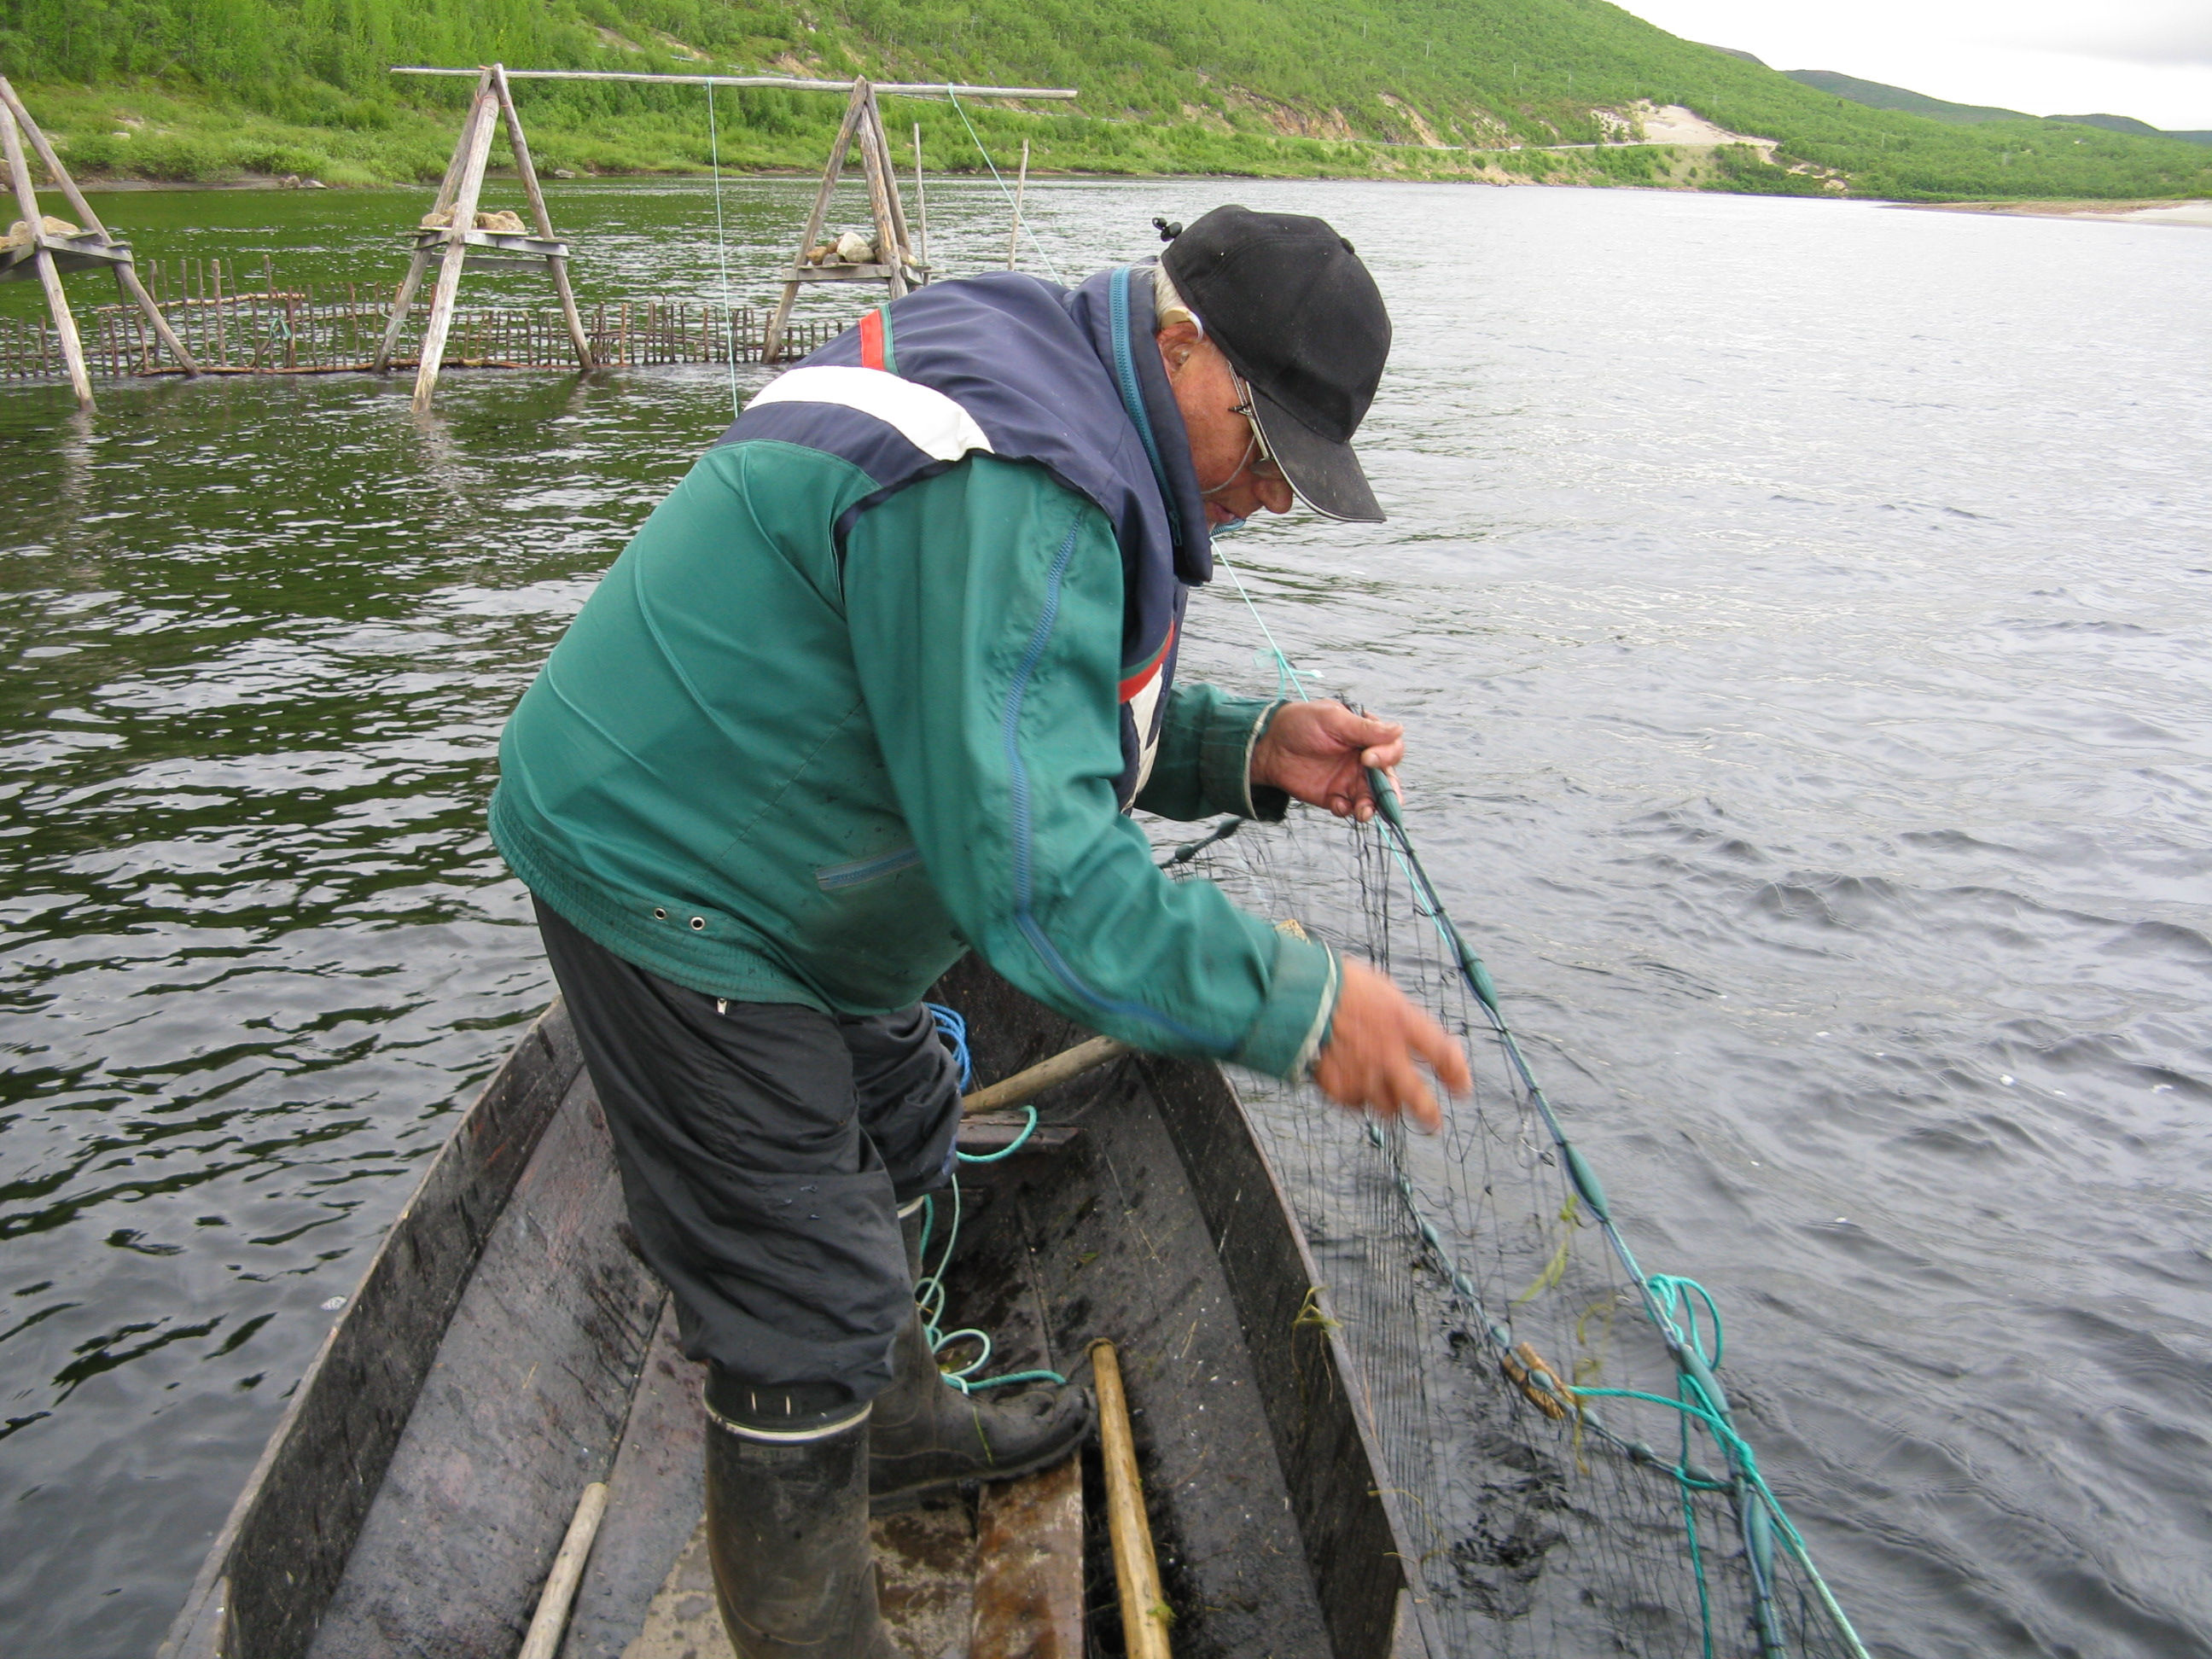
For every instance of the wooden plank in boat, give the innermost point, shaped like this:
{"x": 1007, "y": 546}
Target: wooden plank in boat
{"x": 1028, "y": 1567}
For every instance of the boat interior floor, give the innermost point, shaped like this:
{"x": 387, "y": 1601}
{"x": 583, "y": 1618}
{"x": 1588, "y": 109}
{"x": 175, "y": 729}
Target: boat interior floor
{"x": 560, "y": 1367}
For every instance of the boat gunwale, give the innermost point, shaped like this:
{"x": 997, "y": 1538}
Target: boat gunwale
{"x": 461, "y": 1196}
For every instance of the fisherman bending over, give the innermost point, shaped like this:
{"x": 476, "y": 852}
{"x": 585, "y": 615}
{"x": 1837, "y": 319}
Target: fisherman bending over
{"x": 876, "y": 685}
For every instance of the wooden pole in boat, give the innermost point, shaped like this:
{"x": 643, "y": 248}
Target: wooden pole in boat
{"x": 50, "y": 276}
{"x": 1021, "y": 187}
{"x": 557, "y": 263}
{"x": 126, "y": 269}
{"x": 1024, "y": 1086}
{"x": 421, "y": 263}
{"x": 552, "y": 1614}
{"x": 1136, "y": 1570}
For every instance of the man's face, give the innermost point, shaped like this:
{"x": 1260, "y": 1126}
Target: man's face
{"x": 1223, "y": 450}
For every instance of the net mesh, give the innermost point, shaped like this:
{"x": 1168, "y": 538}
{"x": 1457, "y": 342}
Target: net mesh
{"x": 1463, "y": 1269}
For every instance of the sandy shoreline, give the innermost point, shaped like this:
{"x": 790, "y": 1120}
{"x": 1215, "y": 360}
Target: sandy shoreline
{"x": 2197, "y": 213}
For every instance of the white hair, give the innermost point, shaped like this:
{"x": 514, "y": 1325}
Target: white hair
{"x": 1168, "y": 306}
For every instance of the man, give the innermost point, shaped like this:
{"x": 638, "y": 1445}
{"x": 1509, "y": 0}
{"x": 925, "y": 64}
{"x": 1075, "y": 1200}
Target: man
{"x": 876, "y": 685}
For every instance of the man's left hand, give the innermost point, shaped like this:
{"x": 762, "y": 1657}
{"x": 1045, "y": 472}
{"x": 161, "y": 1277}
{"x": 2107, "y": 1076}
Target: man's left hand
{"x": 1319, "y": 753}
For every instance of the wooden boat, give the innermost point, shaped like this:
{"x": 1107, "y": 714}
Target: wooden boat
{"x": 505, "y": 1347}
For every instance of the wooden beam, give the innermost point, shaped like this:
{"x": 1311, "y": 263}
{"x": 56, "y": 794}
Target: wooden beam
{"x": 883, "y": 186}
{"x": 790, "y": 83}
{"x": 63, "y": 182}
{"x": 551, "y": 1619}
{"x": 921, "y": 204}
{"x": 49, "y": 276}
{"x": 421, "y": 264}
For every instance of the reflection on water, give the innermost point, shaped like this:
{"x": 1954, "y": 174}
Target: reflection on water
{"x": 1798, "y": 608}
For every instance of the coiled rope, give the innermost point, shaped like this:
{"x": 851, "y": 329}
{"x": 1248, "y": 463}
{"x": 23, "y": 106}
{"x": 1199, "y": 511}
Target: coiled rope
{"x": 929, "y": 1288}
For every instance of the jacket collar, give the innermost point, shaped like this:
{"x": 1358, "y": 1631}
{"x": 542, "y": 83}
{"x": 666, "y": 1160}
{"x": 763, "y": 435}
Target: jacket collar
{"x": 1116, "y": 310}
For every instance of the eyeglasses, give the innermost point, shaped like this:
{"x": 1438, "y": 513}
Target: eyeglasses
{"x": 1263, "y": 464}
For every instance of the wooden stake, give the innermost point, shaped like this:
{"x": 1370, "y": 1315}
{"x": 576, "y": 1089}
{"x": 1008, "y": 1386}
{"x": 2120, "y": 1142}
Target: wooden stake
{"x": 899, "y": 254}
{"x": 1136, "y": 1570}
{"x": 921, "y": 204}
{"x": 1021, "y": 188}
{"x": 421, "y": 263}
{"x": 883, "y": 194}
{"x": 552, "y": 1614}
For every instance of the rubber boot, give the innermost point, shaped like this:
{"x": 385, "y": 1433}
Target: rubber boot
{"x": 929, "y": 1437}
{"x": 788, "y": 1526}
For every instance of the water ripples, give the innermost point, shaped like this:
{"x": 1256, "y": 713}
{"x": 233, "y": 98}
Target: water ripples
{"x": 1798, "y": 610}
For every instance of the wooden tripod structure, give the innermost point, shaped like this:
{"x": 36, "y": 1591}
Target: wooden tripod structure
{"x": 896, "y": 265}
{"x": 456, "y": 242}
{"x": 48, "y": 257}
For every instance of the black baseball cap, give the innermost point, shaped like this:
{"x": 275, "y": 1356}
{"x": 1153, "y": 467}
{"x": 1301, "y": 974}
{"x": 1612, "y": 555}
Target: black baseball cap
{"x": 1297, "y": 314}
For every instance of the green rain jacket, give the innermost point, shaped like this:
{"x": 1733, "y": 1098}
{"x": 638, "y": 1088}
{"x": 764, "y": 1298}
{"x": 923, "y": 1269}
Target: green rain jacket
{"x": 766, "y": 777}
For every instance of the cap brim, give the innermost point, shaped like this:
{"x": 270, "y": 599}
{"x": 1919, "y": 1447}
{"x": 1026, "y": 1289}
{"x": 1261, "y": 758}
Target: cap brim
{"x": 1325, "y": 473}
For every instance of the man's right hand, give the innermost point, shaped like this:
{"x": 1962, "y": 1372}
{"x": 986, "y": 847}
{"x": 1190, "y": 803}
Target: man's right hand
{"x": 1374, "y": 1041}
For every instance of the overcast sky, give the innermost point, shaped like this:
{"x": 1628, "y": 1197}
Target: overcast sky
{"x": 2148, "y": 59}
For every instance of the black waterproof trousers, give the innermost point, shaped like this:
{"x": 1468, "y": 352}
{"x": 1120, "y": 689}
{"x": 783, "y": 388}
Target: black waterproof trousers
{"x": 765, "y": 1149}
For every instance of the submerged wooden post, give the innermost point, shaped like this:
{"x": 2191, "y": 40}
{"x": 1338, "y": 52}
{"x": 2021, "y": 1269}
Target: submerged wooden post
{"x": 556, "y": 263}
{"x": 1021, "y": 189}
{"x": 475, "y": 153}
{"x": 421, "y": 262}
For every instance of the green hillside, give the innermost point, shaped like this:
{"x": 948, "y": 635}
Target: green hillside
{"x": 202, "y": 89}
{"x": 2128, "y": 123}
{"x": 1876, "y": 95}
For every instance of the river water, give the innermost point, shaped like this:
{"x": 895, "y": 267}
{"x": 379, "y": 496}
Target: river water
{"x": 1799, "y": 610}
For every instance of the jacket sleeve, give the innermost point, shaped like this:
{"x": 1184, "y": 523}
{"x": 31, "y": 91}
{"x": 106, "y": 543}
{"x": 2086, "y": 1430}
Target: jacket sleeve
{"x": 1203, "y": 761}
{"x": 985, "y": 611}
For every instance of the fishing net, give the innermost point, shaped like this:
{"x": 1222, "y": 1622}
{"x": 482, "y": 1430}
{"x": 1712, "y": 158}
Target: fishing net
{"x": 1560, "y": 1452}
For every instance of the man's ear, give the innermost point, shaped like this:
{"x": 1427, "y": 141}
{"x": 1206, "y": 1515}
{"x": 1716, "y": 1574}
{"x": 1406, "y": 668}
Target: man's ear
{"x": 1176, "y": 342}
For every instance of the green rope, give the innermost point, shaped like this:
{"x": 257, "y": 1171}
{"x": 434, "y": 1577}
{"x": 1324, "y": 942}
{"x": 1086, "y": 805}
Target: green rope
{"x": 929, "y": 1289}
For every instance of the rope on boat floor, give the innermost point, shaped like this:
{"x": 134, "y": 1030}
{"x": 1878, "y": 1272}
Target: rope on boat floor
{"x": 929, "y": 1289}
